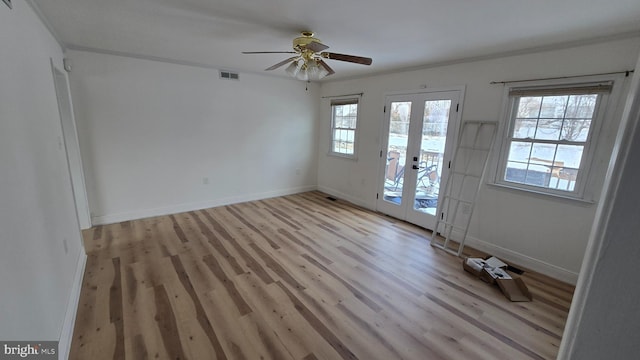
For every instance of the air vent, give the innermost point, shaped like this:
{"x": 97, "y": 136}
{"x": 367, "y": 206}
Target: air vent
{"x": 229, "y": 75}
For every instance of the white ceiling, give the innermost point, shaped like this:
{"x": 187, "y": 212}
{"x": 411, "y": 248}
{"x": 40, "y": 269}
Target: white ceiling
{"x": 396, "y": 34}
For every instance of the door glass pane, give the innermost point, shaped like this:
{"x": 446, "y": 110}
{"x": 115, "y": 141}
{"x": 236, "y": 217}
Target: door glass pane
{"x": 400, "y": 114}
{"x": 434, "y": 137}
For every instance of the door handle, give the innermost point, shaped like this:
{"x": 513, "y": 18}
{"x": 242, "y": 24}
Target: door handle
{"x": 415, "y": 167}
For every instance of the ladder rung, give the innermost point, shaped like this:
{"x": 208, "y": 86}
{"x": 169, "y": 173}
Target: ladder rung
{"x": 451, "y": 224}
{"x": 441, "y": 246}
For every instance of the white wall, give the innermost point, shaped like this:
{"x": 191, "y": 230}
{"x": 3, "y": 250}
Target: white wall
{"x": 504, "y": 220}
{"x": 36, "y": 202}
{"x": 151, "y": 131}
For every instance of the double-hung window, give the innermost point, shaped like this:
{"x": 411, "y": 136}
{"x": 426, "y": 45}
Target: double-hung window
{"x": 344, "y": 121}
{"x": 550, "y": 137}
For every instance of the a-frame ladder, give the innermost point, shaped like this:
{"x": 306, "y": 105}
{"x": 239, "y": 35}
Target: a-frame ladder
{"x": 466, "y": 175}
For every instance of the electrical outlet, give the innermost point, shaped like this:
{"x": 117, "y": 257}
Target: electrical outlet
{"x": 205, "y": 180}
{"x": 66, "y": 247}
{"x": 298, "y": 171}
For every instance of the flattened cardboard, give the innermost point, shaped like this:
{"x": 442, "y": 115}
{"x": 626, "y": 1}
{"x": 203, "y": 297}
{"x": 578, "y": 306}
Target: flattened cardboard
{"x": 514, "y": 289}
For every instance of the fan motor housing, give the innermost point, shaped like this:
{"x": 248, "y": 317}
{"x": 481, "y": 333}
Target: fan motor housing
{"x": 304, "y": 40}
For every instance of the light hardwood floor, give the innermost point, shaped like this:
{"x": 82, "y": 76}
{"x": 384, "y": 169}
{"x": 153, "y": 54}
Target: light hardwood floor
{"x": 298, "y": 277}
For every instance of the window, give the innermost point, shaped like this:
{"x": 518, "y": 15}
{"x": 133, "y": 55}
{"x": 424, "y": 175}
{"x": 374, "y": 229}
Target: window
{"x": 550, "y": 136}
{"x": 344, "y": 119}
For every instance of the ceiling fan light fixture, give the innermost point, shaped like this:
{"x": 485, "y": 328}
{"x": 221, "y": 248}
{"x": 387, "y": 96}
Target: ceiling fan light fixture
{"x": 308, "y": 63}
{"x": 315, "y": 71}
{"x": 321, "y": 72}
{"x": 303, "y": 74}
{"x": 294, "y": 68}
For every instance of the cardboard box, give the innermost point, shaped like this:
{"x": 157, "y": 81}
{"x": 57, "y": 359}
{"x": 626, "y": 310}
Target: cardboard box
{"x": 482, "y": 274}
{"x": 513, "y": 288}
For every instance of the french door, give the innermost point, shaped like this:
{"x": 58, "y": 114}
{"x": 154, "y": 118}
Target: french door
{"x": 420, "y": 132}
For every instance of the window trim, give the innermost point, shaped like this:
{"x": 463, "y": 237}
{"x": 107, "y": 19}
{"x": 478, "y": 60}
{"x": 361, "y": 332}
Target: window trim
{"x": 347, "y": 100}
{"x": 605, "y": 109}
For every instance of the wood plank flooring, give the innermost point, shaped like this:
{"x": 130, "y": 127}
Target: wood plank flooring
{"x": 298, "y": 277}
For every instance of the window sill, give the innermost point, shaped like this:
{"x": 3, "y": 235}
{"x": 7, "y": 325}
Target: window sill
{"x": 542, "y": 194}
{"x": 343, "y": 156}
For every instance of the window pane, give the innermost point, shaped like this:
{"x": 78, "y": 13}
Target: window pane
{"x": 575, "y": 130}
{"x": 553, "y": 107}
{"x": 549, "y": 129}
{"x": 353, "y": 110}
{"x": 516, "y": 172}
{"x": 529, "y": 107}
{"x": 345, "y": 122}
{"x": 524, "y": 128}
{"x": 570, "y": 155}
{"x": 350, "y": 135}
{"x": 520, "y": 151}
{"x": 399, "y": 123}
{"x": 537, "y": 175}
{"x": 543, "y": 154}
{"x": 581, "y": 106}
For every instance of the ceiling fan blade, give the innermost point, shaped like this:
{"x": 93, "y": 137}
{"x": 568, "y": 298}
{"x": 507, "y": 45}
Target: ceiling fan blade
{"x": 269, "y": 52}
{"x": 348, "y": 58}
{"x": 281, "y": 63}
{"x": 316, "y": 46}
{"x": 326, "y": 67}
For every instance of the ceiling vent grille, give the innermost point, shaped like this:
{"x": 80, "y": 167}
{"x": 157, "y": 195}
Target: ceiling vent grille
{"x": 228, "y": 75}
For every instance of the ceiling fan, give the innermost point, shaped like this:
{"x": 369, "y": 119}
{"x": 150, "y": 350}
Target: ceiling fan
{"x": 308, "y": 63}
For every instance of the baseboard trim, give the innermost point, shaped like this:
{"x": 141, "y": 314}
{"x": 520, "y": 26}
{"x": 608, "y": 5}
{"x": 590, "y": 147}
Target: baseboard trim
{"x": 525, "y": 261}
{"x": 346, "y": 197}
{"x": 66, "y": 335}
{"x": 180, "y": 208}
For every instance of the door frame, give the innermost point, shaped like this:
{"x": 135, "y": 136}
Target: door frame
{"x": 454, "y": 125}
{"x": 71, "y": 145}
